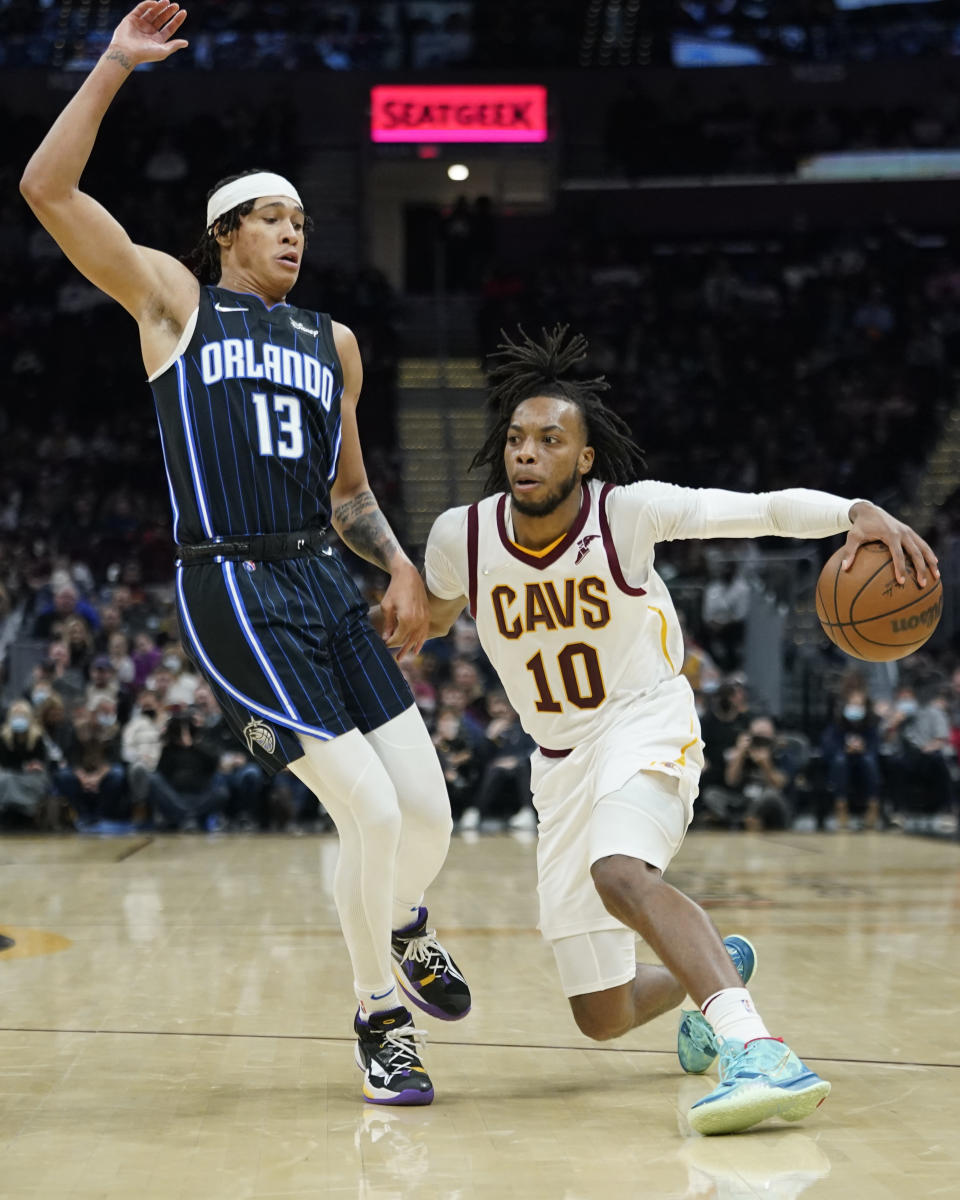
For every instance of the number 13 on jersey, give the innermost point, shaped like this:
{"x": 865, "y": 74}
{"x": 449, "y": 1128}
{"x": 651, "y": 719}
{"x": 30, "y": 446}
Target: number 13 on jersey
{"x": 578, "y": 667}
{"x": 289, "y": 441}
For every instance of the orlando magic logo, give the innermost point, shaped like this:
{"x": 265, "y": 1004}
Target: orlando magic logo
{"x": 583, "y": 546}
{"x": 259, "y": 733}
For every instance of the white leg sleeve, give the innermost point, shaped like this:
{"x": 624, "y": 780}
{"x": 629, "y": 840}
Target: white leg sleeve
{"x": 403, "y": 746}
{"x": 357, "y": 793}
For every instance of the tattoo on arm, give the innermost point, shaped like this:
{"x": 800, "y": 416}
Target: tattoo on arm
{"x": 364, "y": 528}
{"x": 121, "y": 58}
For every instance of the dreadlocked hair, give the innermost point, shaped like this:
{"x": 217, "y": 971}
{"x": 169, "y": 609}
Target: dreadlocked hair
{"x": 525, "y": 368}
{"x": 204, "y": 259}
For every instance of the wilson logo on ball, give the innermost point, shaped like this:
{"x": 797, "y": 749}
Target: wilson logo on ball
{"x": 929, "y": 616}
{"x": 867, "y": 614}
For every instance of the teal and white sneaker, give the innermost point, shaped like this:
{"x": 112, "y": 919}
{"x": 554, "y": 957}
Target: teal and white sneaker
{"x": 761, "y": 1079}
{"x": 697, "y": 1045}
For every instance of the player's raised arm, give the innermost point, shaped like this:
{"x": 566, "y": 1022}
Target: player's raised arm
{"x": 360, "y": 523}
{"x": 150, "y": 285}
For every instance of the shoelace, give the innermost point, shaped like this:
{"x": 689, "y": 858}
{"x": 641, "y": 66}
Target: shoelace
{"x": 426, "y": 949}
{"x": 402, "y": 1048}
{"x": 700, "y": 1032}
{"x": 734, "y": 1058}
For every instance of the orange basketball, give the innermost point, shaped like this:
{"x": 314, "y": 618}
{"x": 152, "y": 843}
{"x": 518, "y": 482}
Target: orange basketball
{"x": 868, "y": 614}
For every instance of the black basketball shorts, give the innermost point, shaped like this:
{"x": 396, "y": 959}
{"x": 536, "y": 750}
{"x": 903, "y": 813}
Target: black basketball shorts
{"x": 288, "y": 651}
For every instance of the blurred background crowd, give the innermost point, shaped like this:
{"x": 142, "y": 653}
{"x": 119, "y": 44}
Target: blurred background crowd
{"x": 749, "y": 346}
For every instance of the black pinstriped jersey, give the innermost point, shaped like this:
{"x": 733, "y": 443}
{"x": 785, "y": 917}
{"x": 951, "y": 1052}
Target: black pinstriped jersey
{"x": 249, "y": 416}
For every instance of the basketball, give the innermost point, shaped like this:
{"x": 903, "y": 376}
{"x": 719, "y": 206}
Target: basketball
{"x": 868, "y": 614}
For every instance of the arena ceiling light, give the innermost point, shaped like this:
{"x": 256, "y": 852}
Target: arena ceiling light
{"x": 458, "y": 172}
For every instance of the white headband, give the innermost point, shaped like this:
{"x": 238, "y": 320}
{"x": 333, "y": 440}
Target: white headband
{"x": 248, "y": 187}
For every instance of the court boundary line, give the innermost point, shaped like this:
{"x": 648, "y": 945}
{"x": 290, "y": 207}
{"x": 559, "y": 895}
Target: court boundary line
{"x": 326, "y": 1038}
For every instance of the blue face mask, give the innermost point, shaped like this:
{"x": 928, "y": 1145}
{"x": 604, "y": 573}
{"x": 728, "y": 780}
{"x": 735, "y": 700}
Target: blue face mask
{"x": 907, "y": 707}
{"x": 19, "y": 724}
{"x": 854, "y": 712}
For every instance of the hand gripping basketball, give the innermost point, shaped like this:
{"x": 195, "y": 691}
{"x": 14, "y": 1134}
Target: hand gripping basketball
{"x": 873, "y": 524}
{"x": 879, "y": 597}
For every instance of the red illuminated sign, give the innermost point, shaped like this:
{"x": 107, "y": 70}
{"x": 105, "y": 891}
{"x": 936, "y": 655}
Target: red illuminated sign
{"x": 468, "y": 113}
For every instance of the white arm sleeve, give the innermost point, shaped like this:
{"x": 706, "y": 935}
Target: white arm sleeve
{"x": 675, "y": 513}
{"x": 445, "y": 559}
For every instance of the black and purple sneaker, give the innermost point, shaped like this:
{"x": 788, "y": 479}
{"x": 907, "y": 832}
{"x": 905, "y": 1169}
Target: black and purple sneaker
{"x": 388, "y": 1052}
{"x": 427, "y": 974}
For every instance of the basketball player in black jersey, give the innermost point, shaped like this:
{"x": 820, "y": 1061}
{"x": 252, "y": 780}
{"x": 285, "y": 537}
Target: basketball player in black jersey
{"x": 256, "y": 402}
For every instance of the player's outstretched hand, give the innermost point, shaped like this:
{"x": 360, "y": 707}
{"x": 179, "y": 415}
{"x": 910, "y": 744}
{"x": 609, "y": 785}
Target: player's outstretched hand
{"x": 406, "y": 614}
{"x": 873, "y": 524}
{"x": 144, "y": 33}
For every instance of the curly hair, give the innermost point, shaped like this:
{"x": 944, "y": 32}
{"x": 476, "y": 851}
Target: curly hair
{"x": 204, "y": 259}
{"x": 525, "y": 368}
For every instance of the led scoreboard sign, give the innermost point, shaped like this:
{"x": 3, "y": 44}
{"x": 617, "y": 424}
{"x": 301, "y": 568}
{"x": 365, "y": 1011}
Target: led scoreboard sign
{"x": 468, "y": 113}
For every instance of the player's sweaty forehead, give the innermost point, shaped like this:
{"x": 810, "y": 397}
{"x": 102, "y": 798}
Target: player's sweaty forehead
{"x": 547, "y": 414}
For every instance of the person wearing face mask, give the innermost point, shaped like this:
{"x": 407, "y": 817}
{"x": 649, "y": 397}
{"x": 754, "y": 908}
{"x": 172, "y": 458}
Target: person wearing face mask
{"x": 24, "y": 780}
{"x": 183, "y": 687}
{"x": 920, "y": 736}
{"x": 851, "y": 746}
{"x": 140, "y": 749}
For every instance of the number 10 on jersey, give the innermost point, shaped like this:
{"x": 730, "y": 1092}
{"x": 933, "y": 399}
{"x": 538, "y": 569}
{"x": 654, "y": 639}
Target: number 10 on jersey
{"x": 579, "y": 666}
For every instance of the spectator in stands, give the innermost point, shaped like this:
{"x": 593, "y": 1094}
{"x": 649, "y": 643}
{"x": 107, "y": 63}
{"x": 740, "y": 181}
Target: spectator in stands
{"x": 111, "y": 623}
{"x": 466, "y": 675}
{"x": 462, "y": 764}
{"x": 183, "y": 684}
{"x": 186, "y": 791}
{"x": 698, "y": 667}
{"x": 118, "y": 652}
{"x": 757, "y": 779}
{"x": 140, "y": 749}
{"x": 504, "y": 788}
{"x": 726, "y": 602}
{"x": 851, "y": 746}
{"x": 414, "y": 672}
{"x": 57, "y": 730}
{"x": 24, "y": 781}
{"x": 94, "y": 783}
{"x": 65, "y": 679}
{"x": 160, "y": 683}
{"x": 452, "y": 698}
{"x": 103, "y": 682}
{"x": 244, "y": 779}
{"x": 79, "y": 641}
{"x": 727, "y": 715}
{"x": 66, "y": 602}
{"x": 146, "y": 658}
{"x": 918, "y": 735}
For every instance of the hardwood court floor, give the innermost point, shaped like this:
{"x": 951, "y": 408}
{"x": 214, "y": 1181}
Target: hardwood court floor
{"x": 175, "y": 1024}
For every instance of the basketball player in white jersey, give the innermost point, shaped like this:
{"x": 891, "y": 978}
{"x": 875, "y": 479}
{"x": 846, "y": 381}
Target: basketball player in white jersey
{"x": 557, "y": 567}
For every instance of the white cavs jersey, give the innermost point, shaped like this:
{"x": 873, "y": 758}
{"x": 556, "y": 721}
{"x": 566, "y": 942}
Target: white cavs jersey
{"x": 583, "y": 634}
{"x": 575, "y": 635}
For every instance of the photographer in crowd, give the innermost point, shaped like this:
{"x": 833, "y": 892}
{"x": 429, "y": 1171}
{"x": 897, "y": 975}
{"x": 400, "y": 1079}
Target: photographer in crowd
{"x": 756, "y": 782}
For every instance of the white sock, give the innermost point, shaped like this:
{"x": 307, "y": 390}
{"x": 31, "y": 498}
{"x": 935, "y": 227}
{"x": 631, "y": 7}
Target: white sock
{"x": 404, "y": 914}
{"x": 732, "y": 1016}
{"x": 377, "y": 1002}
